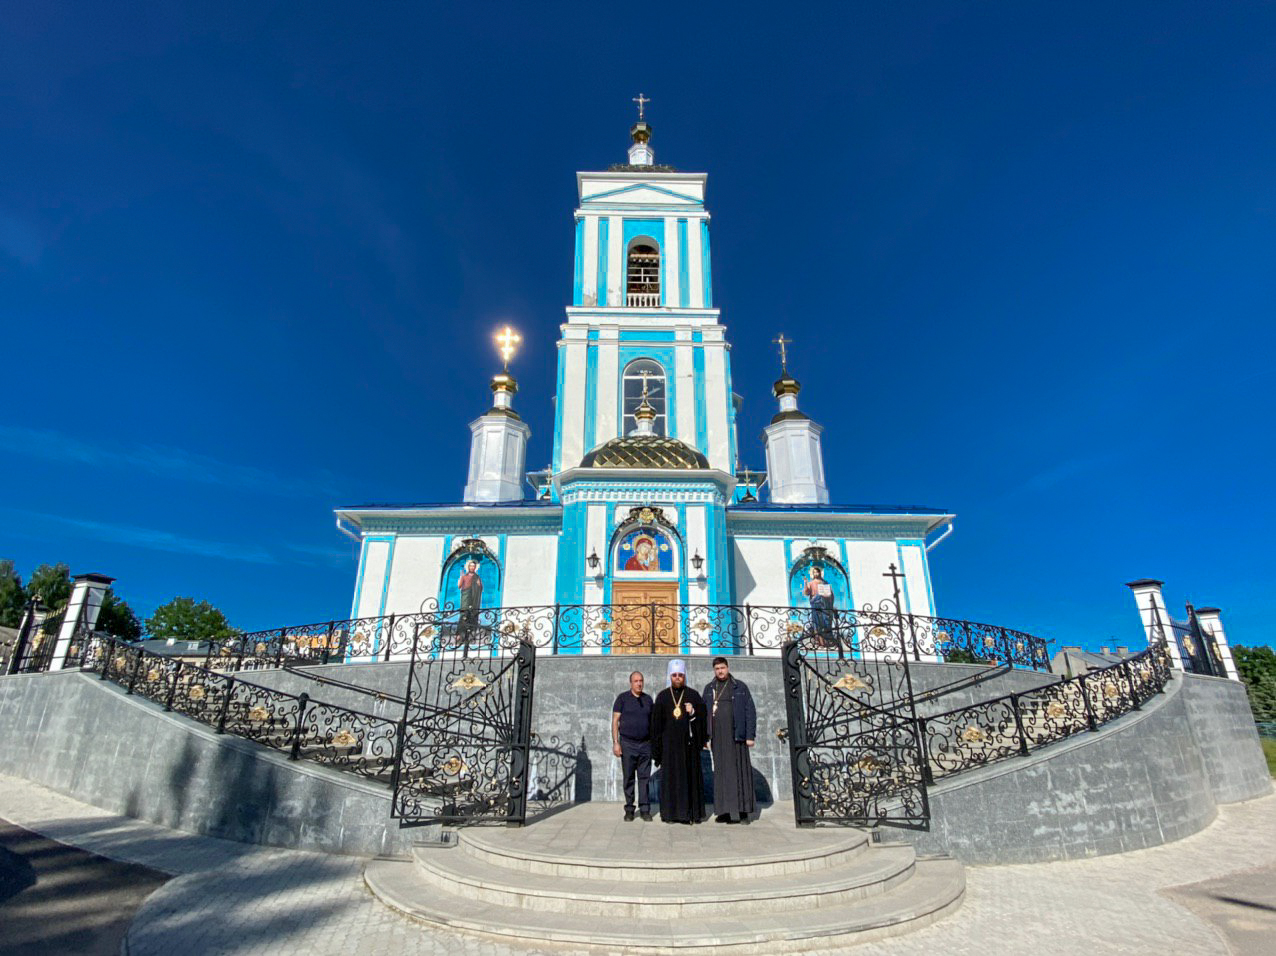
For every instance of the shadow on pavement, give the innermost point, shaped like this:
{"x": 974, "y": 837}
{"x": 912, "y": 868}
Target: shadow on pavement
{"x": 57, "y": 899}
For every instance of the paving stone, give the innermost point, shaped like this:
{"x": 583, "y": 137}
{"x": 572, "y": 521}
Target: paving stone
{"x": 241, "y": 900}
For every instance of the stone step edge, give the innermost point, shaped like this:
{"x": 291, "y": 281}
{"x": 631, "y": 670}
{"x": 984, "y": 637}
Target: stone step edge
{"x": 882, "y": 869}
{"x": 854, "y": 842}
{"x": 934, "y": 891}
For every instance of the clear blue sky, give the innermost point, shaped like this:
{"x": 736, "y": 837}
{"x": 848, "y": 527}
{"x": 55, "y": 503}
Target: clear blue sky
{"x": 251, "y": 255}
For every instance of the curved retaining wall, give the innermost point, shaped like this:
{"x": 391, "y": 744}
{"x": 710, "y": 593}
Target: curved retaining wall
{"x": 1147, "y": 778}
{"x": 87, "y": 738}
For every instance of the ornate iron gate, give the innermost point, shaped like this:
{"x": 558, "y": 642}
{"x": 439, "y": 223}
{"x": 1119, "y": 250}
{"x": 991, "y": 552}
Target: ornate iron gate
{"x": 854, "y": 740}
{"x": 465, "y": 734}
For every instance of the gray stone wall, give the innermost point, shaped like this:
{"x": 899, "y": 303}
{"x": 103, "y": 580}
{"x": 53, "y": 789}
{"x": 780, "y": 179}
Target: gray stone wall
{"x": 1223, "y": 727}
{"x": 574, "y": 694}
{"x": 1153, "y": 776}
{"x": 87, "y": 738}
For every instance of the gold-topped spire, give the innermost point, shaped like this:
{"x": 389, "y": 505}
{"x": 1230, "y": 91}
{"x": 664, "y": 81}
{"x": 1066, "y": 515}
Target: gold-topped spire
{"x": 507, "y": 341}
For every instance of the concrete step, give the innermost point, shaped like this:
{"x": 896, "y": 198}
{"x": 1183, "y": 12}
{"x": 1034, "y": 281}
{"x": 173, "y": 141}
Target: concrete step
{"x": 695, "y": 896}
{"x": 935, "y": 887}
{"x": 655, "y": 852}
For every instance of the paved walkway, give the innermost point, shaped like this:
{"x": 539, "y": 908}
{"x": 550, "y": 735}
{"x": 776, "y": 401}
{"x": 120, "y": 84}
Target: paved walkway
{"x": 228, "y": 898}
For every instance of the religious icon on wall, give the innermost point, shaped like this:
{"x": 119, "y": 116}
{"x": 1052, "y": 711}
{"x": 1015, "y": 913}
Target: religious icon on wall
{"x": 820, "y": 594}
{"x": 469, "y": 587}
{"x": 645, "y": 551}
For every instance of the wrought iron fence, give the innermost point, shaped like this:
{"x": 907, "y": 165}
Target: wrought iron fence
{"x": 295, "y": 724}
{"x": 618, "y": 628}
{"x": 1016, "y": 724}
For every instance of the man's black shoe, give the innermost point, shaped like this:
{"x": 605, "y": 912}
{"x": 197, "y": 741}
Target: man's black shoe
{"x": 629, "y": 815}
{"x": 646, "y": 816}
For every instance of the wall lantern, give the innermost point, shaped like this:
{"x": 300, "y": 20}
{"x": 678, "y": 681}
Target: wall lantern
{"x": 593, "y": 560}
{"x": 697, "y": 562}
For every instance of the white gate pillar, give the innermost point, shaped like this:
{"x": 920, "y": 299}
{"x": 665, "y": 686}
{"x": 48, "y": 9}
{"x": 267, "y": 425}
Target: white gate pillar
{"x": 87, "y": 593}
{"x": 1152, "y": 609}
{"x": 1211, "y": 621}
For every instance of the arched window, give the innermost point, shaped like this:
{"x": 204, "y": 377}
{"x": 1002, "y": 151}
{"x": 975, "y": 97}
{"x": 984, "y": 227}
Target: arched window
{"x": 631, "y": 389}
{"x": 642, "y": 274}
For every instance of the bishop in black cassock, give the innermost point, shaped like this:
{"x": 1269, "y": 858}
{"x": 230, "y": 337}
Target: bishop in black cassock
{"x": 679, "y": 729}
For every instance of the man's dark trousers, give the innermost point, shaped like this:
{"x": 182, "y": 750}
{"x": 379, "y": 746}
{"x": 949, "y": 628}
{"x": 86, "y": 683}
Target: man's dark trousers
{"x": 635, "y": 760}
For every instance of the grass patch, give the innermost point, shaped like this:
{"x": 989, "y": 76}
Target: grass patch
{"x": 1269, "y": 751}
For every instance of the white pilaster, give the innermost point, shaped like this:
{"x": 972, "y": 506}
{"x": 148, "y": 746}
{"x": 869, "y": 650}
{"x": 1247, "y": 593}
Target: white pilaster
{"x": 717, "y": 431}
{"x": 684, "y": 372}
{"x": 572, "y": 398}
{"x": 615, "y": 261}
{"x": 606, "y": 420}
{"x": 695, "y": 265}
{"x": 589, "y": 264}
{"x": 670, "y": 280}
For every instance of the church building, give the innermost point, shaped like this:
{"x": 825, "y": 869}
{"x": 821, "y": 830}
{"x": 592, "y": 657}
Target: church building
{"x": 646, "y": 500}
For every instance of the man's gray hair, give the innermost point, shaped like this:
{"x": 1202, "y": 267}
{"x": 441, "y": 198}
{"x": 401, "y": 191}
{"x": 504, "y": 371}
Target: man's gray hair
{"x": 632, "y": 673}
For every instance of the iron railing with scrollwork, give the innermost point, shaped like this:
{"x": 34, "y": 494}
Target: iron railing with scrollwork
{"x": 616, "y": 628}
{"x": 1019, "y": 723}
{"x": 296, "y": 724}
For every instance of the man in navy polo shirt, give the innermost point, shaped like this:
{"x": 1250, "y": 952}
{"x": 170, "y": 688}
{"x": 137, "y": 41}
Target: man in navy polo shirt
{"x": 631, "y": 742}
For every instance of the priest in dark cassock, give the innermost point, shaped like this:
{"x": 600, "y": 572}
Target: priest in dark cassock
{"x": 733, "y": 729}
{"x": 679, "y": 729}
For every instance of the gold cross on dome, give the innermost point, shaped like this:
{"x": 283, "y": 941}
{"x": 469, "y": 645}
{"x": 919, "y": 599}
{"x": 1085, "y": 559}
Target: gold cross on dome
{"x": 506, "y": 343}
{"x": 644, "y": 375}
{"x": 641, "y": 101}
{"x": 782, "y": 342}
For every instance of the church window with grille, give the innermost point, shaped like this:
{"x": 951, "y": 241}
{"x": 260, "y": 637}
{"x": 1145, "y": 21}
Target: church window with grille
{"x": 632, "y": 382}
{"x": 642, "y": 275}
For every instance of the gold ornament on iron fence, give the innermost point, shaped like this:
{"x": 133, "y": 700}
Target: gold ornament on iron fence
{"x": 879, "y": 633}
{"x": 427, "y": 632}
{"x": 990, "y": 642}
{"x": 1055, "y": 709}
{"x": 343, "y": 738}
{"x": 468, "y": 681}
{"x": 261, "y": 648}
{"x": 509, "y": 627}
{"x": 795, "y": 627}
{"x": 152, "y": 675}
{"x": 197, "y": 692}
{"x": 1110, "y": 692}
{"x": 1189, "y": 645}
{"x": 868, "y": 766}
{"x": 973, "y": 734}
{"x": 453, "y": 766}
{"x": 942, "y": 637}
{"x": 702, "y": 625}
{"x": 1019, "y": 646}
{"x": 850, "y": 683}
{"x": 259, "y": 713}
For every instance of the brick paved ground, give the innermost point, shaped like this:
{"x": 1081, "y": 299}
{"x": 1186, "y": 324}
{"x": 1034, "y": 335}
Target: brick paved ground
{"x": 230, "y": 898}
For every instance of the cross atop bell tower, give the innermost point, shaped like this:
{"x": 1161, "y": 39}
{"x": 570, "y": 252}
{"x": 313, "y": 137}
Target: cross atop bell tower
{"x": 641, "y": 153}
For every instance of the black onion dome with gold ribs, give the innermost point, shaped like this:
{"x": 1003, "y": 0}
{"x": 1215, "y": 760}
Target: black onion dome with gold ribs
{"x": 645, "y": 451}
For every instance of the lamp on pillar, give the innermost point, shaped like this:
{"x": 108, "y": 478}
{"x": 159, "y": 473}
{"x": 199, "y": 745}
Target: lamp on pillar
{"x": 594, "y": 561}
{"x": 697, "y": 564}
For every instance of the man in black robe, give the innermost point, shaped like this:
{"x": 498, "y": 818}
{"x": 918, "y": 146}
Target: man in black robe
{"x": 678, "y": 733}
{"x": 733, "y": 728}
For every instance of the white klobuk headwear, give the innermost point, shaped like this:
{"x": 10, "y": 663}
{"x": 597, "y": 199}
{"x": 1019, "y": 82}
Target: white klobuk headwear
{"x": 676, "y": 666}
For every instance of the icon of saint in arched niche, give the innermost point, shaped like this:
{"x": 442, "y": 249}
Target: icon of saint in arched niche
{"x": 646, "y": 551}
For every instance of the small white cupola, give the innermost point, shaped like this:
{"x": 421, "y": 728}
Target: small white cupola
{"x": 498, "y": 439}
{"x": 794, "y": 455}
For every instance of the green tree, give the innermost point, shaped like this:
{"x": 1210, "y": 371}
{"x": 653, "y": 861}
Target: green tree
{"x": 1257, "y": 667}
{"x": 184, "y": 619}
{"x": 53, "y": 583}
{"x": 117, "y": 618}
{"x": 13, "y": 596}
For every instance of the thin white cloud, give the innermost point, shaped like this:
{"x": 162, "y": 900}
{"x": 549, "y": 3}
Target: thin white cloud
{"x": 151, "y": 538}
{"x": 159, "y": 460}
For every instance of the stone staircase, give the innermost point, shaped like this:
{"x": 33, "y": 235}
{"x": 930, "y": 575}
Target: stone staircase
{"x": 583, "y": 877}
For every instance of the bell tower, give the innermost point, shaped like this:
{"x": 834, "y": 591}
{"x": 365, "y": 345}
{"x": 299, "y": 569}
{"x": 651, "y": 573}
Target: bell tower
{"x": 642, "y": 313}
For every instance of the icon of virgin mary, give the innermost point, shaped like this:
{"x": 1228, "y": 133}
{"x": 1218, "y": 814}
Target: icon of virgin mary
{"x": 646, "y": 557}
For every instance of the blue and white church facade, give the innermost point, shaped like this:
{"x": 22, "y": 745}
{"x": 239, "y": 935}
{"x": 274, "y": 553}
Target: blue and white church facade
{"x": 646, "y": 500}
